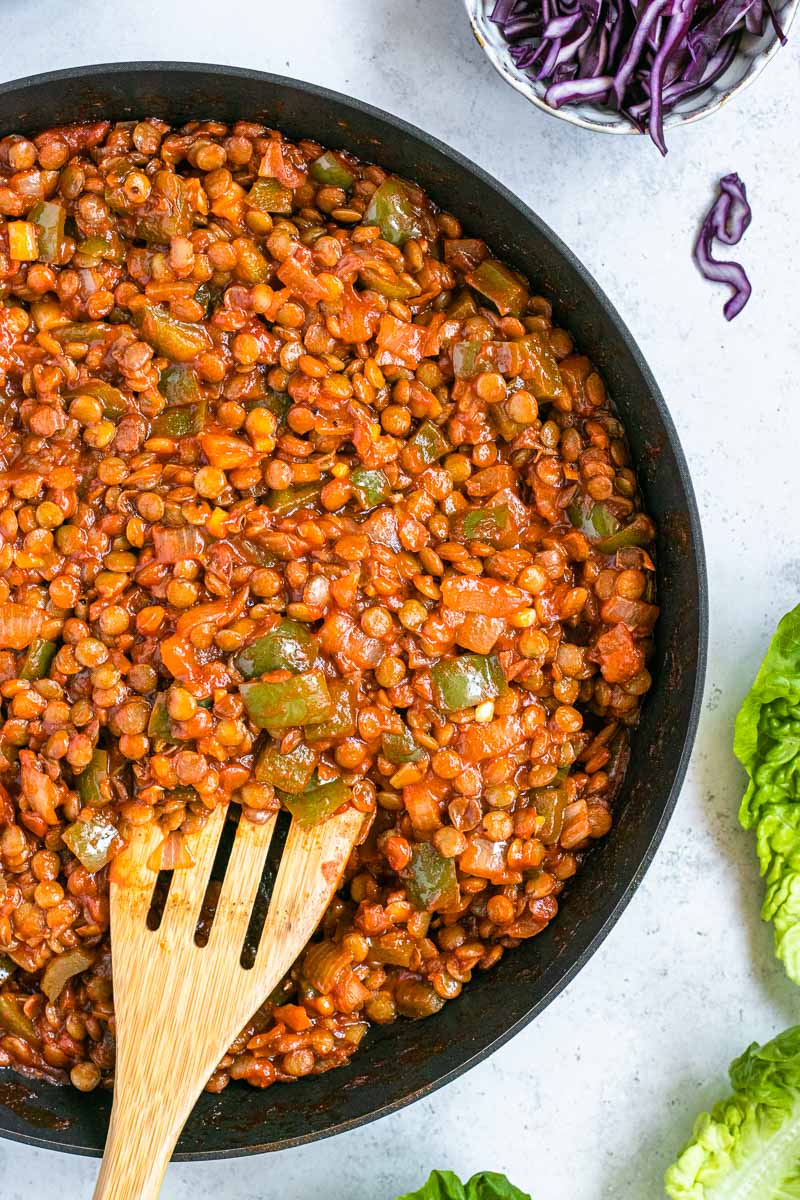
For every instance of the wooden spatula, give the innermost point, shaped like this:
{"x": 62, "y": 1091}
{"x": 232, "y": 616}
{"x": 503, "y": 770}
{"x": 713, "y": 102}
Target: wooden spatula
{"x": 179, "y": 1005}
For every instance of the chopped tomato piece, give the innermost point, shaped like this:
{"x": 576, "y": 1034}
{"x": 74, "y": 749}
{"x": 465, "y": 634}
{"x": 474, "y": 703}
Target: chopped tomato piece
{"x": 619, "y": 656}
{"x": 277, "y": 164}
{"x": 423, "y": 803}
{"x": 400, "y": 343}
{"x": 230, "y": 205}
{"x": 479, "y": 742}
{"x": 294, "y": 1016}
{"x": 357, "y": 319}
{"x": 488, "y": 596}
{"x": 348, "y": 643}
{"x": 487, "y": 860}
{"x": 215, "y": 613}
{"x": 637, "y": 614}
{"x": 295, "y": 271}
{"x": 226, "y": 451}
{"x": 179, "y": 657}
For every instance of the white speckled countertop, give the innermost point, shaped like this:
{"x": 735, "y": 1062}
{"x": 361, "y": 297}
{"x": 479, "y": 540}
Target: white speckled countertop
{"x": 594, "y": 1098}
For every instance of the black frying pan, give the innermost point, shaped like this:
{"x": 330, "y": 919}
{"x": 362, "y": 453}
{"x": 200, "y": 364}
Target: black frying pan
{"x": 400, "y": 1062}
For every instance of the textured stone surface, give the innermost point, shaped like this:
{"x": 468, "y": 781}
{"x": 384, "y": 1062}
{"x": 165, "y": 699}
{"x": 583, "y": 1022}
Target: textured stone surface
{"x": 591, "y": 1101}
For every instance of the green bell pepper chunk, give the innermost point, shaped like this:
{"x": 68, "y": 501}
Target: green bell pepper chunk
{"x": 278, "y": 404}
{"x": 372, "y": 486}
{"x": 470, "y": 358}
{"x": 288, "y": 647}
{"x": 49, "y": 216}
{"x": 392, "y": 289}
{"x": 401, "y": 747}
{"x": 179, "y": 340}
{"x": 485, "y": 524}
{"x": 160, "y": 230}
{"x": 38, "y": 659}
{"x": 93, "y": 781}
{"x": 431, "y": 879}
{"x": 159, "y": 727}
{"x": 430, "y": 442}
{"x": 592, "y": 519}
{"x": 639, "y": 532}
{"x": 7, "y": 968}
{"x": 251, "y": 267}
{"x": 603, "y": 520}
{"x": 317, "y": 803}
{"x": 467, "y": 680}
{"x": 395, "y": 949}
{"x": 93, "y": 842}
{"x": 181, "y": 794}
{"x": 551, "y": 803}
{"x": 463, "y": 306}
{"x": 290, "y": 772}
{"x": 254, "y": 553}
{"x": 10, "y": 744}
{"x": 164, "y": 215}
{"x": 279, "y": 704}
{"x": 93, "y": 248}
{"x": 285, "y": 502}
{"x": 113, "y": 401}
{"x": 343, "y": 722}
{"x": 498, "y": 283}
{"x": 397, "y": 208}
{"x": 578, "y": 514}
{"x": 269, "y": 196}
{"x": 331, "y": 171}
{"x": 14, "y": 1021}
{"x": 530, "y": 357}
{"x": 210, "y": 296}
{"x": 82, "y": 331}
{"x": 184, "y": 420}
{"x": 506, "y": 426}
{"x": 179, "y": 384}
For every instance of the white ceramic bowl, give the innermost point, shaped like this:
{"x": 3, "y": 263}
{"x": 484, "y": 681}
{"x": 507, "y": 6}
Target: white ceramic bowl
{"x": 752, "y": 56}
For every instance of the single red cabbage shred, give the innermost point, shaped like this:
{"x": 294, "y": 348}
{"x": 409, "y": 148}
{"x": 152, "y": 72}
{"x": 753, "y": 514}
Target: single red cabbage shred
{"x": 726, "y": 222}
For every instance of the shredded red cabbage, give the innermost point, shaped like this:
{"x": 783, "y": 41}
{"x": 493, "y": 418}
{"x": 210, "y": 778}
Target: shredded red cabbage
{"x": 640, "y": 57}
{"x": 727, "y": 220}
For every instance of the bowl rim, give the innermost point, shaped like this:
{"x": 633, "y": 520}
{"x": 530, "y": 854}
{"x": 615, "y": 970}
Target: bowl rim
{"x": 406, "y": 129}
{"x": 672, "y": 120}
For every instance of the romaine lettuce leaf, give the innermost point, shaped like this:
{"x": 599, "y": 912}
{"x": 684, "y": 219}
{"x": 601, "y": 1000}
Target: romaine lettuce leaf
{"x": 489, "y": 1186}
{"x": 748, "y": 1146}
{"x": 441, "y": 1185}
{"x": 444, "y": 1185}
{"x": 767, "y": 743}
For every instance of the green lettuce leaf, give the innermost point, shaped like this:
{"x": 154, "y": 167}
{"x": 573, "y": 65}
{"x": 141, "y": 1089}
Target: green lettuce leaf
{"x": 444, "y": 1185}
{"x": 441, "y": 1185}
{"x": 748, "y": 1146}
{"x": 767, "y": 743}
{"x": 489, "y": 1186}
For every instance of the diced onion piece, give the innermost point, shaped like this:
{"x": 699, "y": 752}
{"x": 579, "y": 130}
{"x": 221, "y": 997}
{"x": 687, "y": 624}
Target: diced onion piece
{"x": 19, "y": 625}
{"x": 323, "y": 965}
{"x": 61, "y": 969}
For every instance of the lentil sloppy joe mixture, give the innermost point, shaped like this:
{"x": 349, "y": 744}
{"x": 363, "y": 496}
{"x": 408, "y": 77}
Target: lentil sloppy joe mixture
{"x": 304, "y": 502}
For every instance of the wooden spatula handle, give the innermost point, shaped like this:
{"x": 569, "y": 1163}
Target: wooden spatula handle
{"x": 139, "y": 1147}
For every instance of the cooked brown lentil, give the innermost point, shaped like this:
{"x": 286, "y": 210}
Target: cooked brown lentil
{"x": 281, "y": 444}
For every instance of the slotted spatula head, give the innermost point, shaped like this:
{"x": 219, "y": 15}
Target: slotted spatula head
{"x": 179, "y": 1005}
